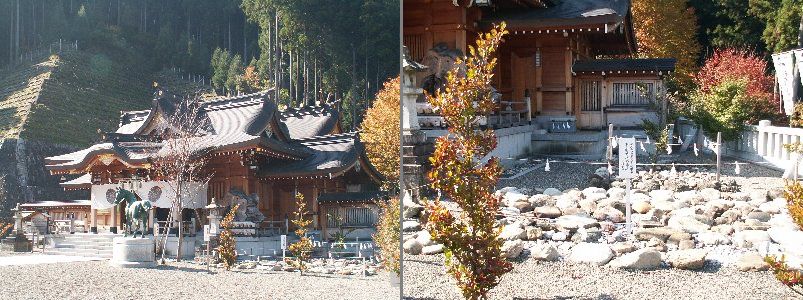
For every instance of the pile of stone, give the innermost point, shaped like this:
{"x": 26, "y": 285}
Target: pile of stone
{"x": 680, "y": 220}
{"x": 318, "y": 266}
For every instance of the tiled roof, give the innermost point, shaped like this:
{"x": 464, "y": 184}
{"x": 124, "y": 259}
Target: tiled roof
{"x": 331, "y": 155}
{"x": 640, "y": 64}
{"x": 310, "y": 121}
{"x": 564, "y": 13}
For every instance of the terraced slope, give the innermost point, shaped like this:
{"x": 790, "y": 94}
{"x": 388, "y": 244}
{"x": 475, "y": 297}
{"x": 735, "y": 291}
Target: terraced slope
{"x": 19, "y": 89}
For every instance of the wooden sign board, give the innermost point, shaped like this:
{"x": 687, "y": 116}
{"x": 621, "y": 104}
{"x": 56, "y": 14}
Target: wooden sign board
{"x": 284, "y": 242}
{"x": 627, "y": 158}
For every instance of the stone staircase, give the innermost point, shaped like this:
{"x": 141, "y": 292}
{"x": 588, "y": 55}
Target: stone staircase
{"x": 90, "y": 245}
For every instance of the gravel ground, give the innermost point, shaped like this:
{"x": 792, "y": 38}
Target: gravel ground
{"x": 565, "y": 174}
{"x": 425, "y": 278}
{"x": 98, "y": 280}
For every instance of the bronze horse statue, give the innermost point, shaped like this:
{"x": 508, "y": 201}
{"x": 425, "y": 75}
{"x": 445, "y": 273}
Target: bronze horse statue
{"x": 136, "y": 211}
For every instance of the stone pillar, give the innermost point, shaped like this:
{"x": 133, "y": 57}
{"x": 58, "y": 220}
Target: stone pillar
{"x": 113, "y": 213}
{"x": 151, "y": 220}
{"x": 94, "y": 221}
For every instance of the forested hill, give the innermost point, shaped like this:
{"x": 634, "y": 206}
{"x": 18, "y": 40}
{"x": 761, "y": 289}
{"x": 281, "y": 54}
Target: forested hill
{"x": 345, "y": 48}
{"x": 68, "y": 67}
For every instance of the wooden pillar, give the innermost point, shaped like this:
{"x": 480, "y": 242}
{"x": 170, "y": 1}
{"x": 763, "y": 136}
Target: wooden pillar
{"x": 539, "y": 94}
{"x": 151, "y": 223}
{"x": 568, "y": 68}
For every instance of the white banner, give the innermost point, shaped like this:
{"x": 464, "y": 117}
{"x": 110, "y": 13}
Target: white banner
{"x": 103, "y": 195}
{"x": 785, "y": 72}
{"x": 627, "y": 157}
{"x": 158, "y": 192}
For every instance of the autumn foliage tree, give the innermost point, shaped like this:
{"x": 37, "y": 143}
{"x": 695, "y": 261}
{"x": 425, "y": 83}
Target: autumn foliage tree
{"x": 667, "y": 28}
{"x": 380, "y": 131}
{"x": 388, "y": 234}
{"x": 228, "y": 245}
{"x": 734, "y": 64}
{"x": 302, "y": 248}
{"x": 471, "y": 241}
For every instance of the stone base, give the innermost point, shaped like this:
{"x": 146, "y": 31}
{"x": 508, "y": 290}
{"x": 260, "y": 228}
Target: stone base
{"x": 93, "y": 229}
{"x": 130, "y": 252}
{"x": 113, "y": 229}
{"x": 18, "y": 243}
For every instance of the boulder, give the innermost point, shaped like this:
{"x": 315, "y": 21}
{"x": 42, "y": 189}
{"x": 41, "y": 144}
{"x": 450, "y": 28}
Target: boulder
{"x": 710, "y": 194}
{"x": 758, "y": 196}
{"x": 565, "y": 202}
{"x": 591, "y": 253}
{"x": 424, "y": 238}
{"x": 588, "y": 235}
{"x": 411, "y": 226}
{"x": 656, "y": 244}
{"x": 661, "y": 195}
{"x": 552, "y": 192}
{"x": 691, "y": 259}
{"x": 588, "y": 205}
{"x": 623, "y": 247}
{"x": 523, "y": 205}
{"x": 412, "y": 246}
{"x": 560, "y": 236}
{"x": 688, "y": 224}
{"x": 550, "y": 212}
{"x": 540, "y": 200}
{"x": 750, "y": 238}
{"x": 641, "y": 207}
{"x": 608, "y": 213}
{"x": 644, "y": 259}
{"x": 533, "y": 233}
{"x": 710, "y": 238}
{"x": 573, "y": 222}
{"x": 544, "y": 251}
{"x": 662, "y": 233}
{"x": 514, "y": 196}
{"x": 412, "y": 210}
{"x": 512, "y": 249}
{"x": 751, "y": 261}
{"x": 512, "y": 232}
{"x": 590, "y": 191}
{"x": 616, "y": 193}
{"x": 686, "y": 244}
{"x": 759, "y": 215}
{"x": 432, "y": 249}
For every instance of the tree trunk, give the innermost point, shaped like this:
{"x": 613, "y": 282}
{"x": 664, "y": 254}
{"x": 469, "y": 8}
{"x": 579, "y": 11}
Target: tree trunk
{"x": 180, "y": 232}
{"x": 800, "y": 32}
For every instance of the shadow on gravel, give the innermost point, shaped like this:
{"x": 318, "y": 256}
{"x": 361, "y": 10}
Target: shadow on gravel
{"x": 600, "y": 297}
{"x": 181, "y": 269}
{"x": 440, "y": 264}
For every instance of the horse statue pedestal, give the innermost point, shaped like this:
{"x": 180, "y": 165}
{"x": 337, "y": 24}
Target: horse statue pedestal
{"x": 128, "y": 252}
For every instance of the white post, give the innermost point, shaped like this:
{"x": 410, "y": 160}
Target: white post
{"x": 719, "y": 154}
{"x": 629, "y": 227}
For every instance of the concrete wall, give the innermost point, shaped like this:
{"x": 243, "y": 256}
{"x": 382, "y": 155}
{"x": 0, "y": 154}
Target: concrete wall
{"x": 763, "y": 144}
{"x": 512, "y": 142}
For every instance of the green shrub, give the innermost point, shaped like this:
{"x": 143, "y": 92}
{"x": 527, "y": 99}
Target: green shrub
{"x": 724, "y": 108}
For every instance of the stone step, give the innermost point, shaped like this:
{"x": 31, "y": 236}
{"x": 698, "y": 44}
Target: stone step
{"x": 107, "y": 254}
{"x": 85, "y": 246}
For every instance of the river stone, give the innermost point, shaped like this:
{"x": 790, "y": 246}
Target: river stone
{"x": 573, "y": 222}
{"x": 523, "y": 206}
{"x": 512, "y": 249}
{"x": 512, "y": 197}
{"x": 710, "y": 194}
{"x": 552, "y": 192}
{"x": 544, "y": 251}
{"x": 641, "y": 207}
{"x": 411, "y": 225}
{"x": 512, "y": 232}
{"x": 565, "y": 202}
{"x": 688, "y": 224}
{"x": 550, "y": 212}
{"x": 432, "y": 249}
{"x": 412, "y": 210}
{"x": 710, "y": 238}
{"x": 751, "y": 261}
{"x": 617, "y": 193}
{"x": 591, "y": 253}
{"x": 750, "y": 238}
{"x": 424, "y": 238}
{"x": 686, "y": 244}
{"x": 412, "y": 246}
{"x": 759, "y": 215}
{"x": 644, "y": 259}
{"x": 690, "y": 259}
{"x": 540, "y": 200}
{"x": 662, "y": 233}
{"x": 623, "y": 247}
{"x": 661, "y": 195}
{"x": 560, "y": 236}
{"x": 533, "y": 233}
{"x": 610, "y": 214}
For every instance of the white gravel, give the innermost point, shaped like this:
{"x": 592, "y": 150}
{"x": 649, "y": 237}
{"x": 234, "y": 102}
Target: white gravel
{"x": 98, "y": 280}
{"x": 426, "y": 278}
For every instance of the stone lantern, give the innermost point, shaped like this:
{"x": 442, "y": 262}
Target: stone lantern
{"x": 412, "y": 136}
{"x": 215, "y": 212}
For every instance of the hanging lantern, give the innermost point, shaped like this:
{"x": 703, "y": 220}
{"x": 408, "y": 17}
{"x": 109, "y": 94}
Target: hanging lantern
{"x": 546, "y": 167}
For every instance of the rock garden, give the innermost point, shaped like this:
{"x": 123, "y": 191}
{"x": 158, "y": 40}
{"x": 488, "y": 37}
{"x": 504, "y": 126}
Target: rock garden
{"x": 684, "y": 224}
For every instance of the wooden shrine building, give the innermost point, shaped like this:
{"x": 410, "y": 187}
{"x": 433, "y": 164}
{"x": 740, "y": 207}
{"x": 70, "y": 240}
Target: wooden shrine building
{"x": 554, "y": 68}
{"x": 257, "y": 155}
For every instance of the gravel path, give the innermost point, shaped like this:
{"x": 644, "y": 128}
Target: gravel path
{"x": 425, "y": 278}
{"x": 98, "y": 280}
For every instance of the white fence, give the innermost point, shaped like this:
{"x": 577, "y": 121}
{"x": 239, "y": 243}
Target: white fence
{"x": 765, "y": 143}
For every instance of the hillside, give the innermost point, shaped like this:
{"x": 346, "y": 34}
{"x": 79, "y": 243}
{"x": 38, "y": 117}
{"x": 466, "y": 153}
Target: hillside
{"x": 56, "y": 104}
